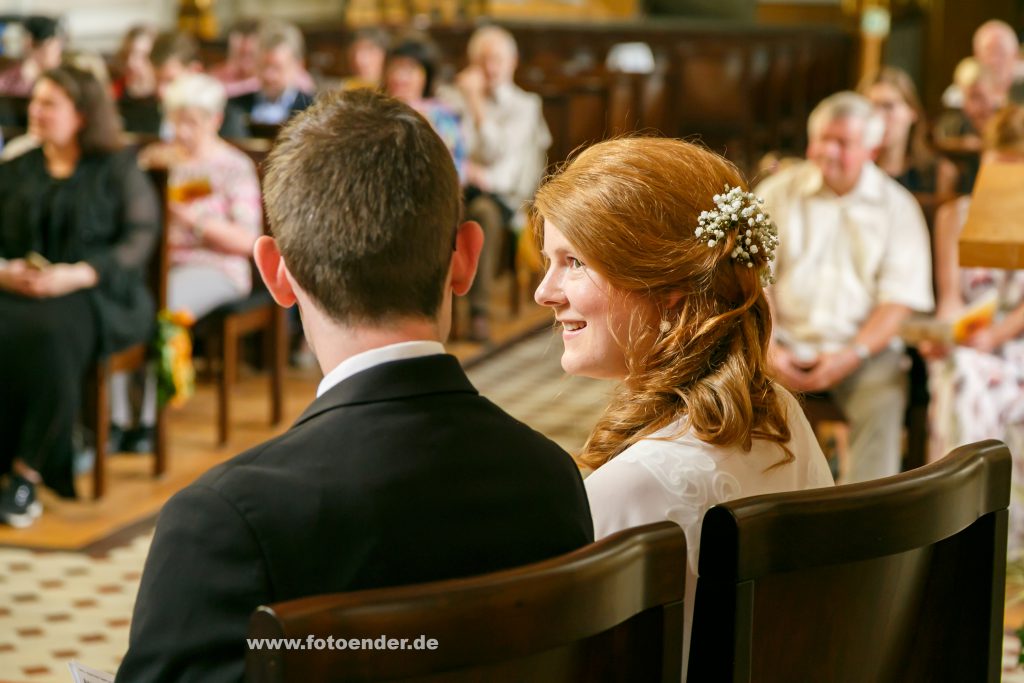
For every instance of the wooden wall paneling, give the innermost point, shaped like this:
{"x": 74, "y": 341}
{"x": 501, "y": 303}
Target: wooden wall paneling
{"x": 744, "y": 89}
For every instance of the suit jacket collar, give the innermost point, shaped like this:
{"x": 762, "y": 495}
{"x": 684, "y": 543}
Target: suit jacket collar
{"x": 437, "y": 374}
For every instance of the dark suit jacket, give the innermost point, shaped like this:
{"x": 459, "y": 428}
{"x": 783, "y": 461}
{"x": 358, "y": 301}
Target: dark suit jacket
{"x": 239, "y": 109}
{"x": 400, "y": 474}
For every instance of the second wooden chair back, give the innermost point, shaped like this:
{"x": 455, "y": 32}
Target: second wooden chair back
{"x": 898, "y": 579}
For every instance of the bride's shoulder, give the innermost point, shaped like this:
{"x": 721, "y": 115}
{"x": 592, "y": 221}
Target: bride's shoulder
{"x": 673, "y": 446}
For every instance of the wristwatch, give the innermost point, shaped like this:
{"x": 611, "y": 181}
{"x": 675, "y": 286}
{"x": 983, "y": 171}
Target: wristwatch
{"x": 862, "y": 351}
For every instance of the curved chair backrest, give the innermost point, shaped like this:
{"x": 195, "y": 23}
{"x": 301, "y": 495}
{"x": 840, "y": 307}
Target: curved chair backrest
{"x": 611, "y": 611}
{"x": 898, "y": 579}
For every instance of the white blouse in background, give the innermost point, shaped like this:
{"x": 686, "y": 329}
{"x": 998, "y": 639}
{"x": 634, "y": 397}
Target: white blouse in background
{"x": 679, "y": 479}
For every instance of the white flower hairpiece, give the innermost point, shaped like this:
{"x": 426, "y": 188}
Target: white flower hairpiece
{"x": 741, "y": 212}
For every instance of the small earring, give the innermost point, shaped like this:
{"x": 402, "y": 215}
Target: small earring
{"x": 665, "y": 326}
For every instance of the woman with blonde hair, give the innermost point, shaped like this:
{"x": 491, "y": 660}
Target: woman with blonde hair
{"x": 656, "y": 260}
{"x": 906, "y": 152}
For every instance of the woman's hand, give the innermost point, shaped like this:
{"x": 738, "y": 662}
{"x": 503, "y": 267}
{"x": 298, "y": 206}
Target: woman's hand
{"x": 12, "y": 276}
{"x": 159, "y": 155}
{"x": 56, "y": 280}
{"x": 932, "y": 350}
{"x": 986, "y": 340}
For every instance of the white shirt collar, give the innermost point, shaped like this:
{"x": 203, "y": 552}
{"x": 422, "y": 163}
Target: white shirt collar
{"x": 373, "y": 357}
{"x": 870, "y": 185}
{"x": 503, "y": 93}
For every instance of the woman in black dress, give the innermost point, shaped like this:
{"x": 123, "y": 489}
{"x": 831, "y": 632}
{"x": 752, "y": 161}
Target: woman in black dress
{"x": 78, "y": 224}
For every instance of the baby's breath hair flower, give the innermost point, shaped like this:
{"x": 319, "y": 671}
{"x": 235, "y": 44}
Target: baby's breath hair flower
{"x": 756, "y": 235}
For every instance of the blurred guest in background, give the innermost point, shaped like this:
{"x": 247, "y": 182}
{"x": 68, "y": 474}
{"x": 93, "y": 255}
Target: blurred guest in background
{"x": 134, "y": 75}
{"x": 283, "y": 90}
{"x": 78, "y": 224}
{"x": 366, "y": 55}
{"x": 43, "y": 48}
{"x": 240, "y": 71}
{"x": 173, "y": 54}
{"x": 977, "y": 382}
{"x": 978, "y": 388}
{"x": 214, "y": 218}
{"x": 995, "y": 48}
{"x": 214, "y": 206}
{"x": 906, "y": 153}
{"x": 507, "y": 140}
{"x": 853, "y": 263}
{"x": 410, "y": 75}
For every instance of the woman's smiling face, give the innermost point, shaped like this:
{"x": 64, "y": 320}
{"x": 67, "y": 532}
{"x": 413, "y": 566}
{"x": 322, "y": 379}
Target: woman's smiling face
{"x": 595, "y": 316}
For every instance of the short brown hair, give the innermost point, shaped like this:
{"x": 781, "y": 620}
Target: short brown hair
{"x": 274, "y": 34}
{"x": 363, "y": 198}
{"x": 174, "y": 45}
{"x": 101, "y": 127}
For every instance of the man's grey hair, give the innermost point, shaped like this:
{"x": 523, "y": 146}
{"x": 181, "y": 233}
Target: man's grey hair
{"x": 848, "y": 104}
{"x": 998, "y": 28}
{"x": 488, "y": 33}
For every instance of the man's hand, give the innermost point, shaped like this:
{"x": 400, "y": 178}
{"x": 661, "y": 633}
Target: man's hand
{"x": 786, "y": 369}
{"x": 473, "y": 86}
{"x": 831, "y": 369}
{"x": 471, "y": 82}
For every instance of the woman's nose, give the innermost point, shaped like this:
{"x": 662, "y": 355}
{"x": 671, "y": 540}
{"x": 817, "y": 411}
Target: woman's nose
{"x": 549, "y": 293}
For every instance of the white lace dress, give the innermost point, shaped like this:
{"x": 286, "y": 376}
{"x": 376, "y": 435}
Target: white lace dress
{"x": 680, "y": 478}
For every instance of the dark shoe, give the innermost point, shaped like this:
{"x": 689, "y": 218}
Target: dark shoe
{"x": 139, "y": 440}
{"x": 18, "y": 505}
{"x": 115, "y": 439}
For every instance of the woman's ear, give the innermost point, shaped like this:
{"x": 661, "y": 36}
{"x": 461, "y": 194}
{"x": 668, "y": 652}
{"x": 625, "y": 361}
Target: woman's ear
{"x": 672, "y": 300}
{"x": 273, "y": 271}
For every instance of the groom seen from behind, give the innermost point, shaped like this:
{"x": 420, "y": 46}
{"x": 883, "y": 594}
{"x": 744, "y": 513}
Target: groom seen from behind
{"x": 399, "y": 472}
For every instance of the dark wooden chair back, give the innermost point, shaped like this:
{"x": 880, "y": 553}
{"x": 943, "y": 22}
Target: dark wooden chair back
{"x": 898, "y": 579}
{"x": 156, "y": 275}
{"x": 611, "y": 611}
{"x": 264, "y": 131}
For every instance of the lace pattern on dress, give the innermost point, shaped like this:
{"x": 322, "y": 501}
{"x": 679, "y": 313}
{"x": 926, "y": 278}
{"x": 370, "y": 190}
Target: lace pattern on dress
{"x": 692, "y": 478}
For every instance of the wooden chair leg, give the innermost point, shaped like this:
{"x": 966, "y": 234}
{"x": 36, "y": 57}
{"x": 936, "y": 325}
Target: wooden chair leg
{"x": 101, "y": 429}
{"x": 278, "y": 348}
{"x": 160, "y": 447}
{"x": 228, "y": 368}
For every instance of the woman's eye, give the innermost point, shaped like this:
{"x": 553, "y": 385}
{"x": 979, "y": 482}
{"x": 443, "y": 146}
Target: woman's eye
{"x": 574, "y": 263}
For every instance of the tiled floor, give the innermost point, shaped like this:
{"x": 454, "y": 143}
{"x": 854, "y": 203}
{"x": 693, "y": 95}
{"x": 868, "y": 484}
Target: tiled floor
{"x": 59, "y": 606}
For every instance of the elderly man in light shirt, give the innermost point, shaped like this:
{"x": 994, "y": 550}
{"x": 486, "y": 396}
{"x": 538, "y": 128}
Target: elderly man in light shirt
{"x": 508, "y": 141}
{"x": 853, "y": 262}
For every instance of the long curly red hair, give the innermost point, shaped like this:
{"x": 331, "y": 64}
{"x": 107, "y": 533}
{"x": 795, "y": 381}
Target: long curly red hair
{"x": 630, "y": 207}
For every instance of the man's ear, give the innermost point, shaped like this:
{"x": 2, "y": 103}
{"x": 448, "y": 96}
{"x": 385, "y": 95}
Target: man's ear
{"x": 273, "y": 271}
{"x": 469, "y": 241}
